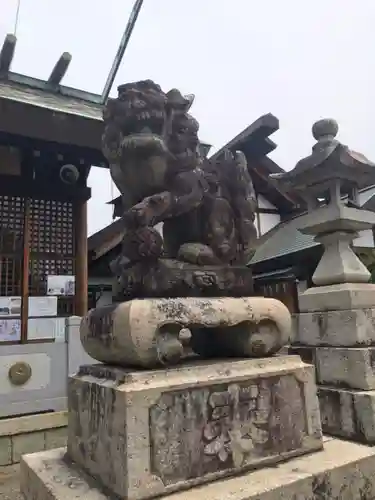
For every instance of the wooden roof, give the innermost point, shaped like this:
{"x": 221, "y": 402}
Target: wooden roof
{"x": 46, "y": 110}
{"x": 255, "y": 143}
{"x": 101, "y": 242}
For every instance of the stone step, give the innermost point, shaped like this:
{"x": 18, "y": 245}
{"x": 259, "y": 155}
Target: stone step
{"x": 343, "y": 470}
{"x": 346, "y": 367}
{"x": 354, "y": 327}
{"x": 348, "y": 413}
{"x": 30, "y": 434}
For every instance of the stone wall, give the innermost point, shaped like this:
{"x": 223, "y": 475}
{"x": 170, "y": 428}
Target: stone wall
{"x": 30, "y": 434}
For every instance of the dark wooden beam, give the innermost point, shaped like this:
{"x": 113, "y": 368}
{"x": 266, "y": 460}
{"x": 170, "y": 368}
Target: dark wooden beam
{"x": 7, "y": 53}
{"x": 254, "y": 137}
{"x": 80, "y": 223}
{"x": 74, "y": 153}
{"x": 35, "y": 123}
{"x": 272, "y": 192}
{"x": 261, "y": 210}
{"x": 15, "y": 186}
{"x": 60, "y": 69}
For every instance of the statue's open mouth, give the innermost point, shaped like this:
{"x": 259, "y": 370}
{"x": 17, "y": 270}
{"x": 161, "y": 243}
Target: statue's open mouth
{"x": 145, "y": 130}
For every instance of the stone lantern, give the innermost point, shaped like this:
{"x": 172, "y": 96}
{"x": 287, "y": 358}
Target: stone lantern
{"x": 335, "y": 329}
{"x": 329, "y": 180}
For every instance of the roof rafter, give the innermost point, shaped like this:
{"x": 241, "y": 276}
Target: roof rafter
{"x": 60, "y": 68}
{"x": 7, "y": 53}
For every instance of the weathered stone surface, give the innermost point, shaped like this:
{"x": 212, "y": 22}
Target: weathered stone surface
{"x": 342, "y": 297}
{"x": 33, "y": 423}
{"x": 172, "y": 278}
{"x": 339, "y": 264}
{"x": 342, "y": 471}
{"x": 27, "y": 443}
{"x": 354, "y": 327}
{"x": 5, "y": 450}
{"x": 207, "y": 207}
{"x": 348, "y": 413}
{"x": 142, "y": 434}
{"x": 346, "y": 367}
{"x": 324, "y": 179}
{"x": 55, "y": 438}
{"x": 148, "y": 332}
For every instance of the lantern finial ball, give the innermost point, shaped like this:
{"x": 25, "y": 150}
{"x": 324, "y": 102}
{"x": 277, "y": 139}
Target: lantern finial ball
{"x": 326, "y": 128}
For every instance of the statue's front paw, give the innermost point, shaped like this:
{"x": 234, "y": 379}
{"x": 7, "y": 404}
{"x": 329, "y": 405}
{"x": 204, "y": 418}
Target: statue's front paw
{"x": 136, "y": 217}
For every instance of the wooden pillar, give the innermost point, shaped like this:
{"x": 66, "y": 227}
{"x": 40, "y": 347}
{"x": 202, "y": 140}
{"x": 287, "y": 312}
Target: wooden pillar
{"x": 81, "y": 291}
{"x": 25, "y": 273}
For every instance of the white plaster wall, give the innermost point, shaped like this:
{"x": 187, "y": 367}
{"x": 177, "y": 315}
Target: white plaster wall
{"x": 267, "y": 222}
{"x": 256, "y": 225}
{"x": 51, "y": 363}
{"x": 40, "y": 364}
{"x": 264, "y": 203}
{"x": 77, "y": 356}
{"x": 46, "y": 388}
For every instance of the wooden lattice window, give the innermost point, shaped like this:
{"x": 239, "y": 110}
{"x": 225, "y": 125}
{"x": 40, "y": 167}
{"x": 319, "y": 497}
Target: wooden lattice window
{"x": 51, "y": 246}
{"x": 37, "y": 240}
{"x": 11, "y": 245}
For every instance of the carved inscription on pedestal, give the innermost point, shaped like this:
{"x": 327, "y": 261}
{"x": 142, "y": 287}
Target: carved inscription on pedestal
{"x": 195, "y": 432}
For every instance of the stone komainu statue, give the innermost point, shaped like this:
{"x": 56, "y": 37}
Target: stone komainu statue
{"x": 206, "y": 207}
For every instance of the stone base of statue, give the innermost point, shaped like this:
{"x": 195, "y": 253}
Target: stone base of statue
{"x": 174, "y": 278}
{"x": 343, "y": 470}
{"x": 156, "y": 332}
{"x": 142, "y": 434}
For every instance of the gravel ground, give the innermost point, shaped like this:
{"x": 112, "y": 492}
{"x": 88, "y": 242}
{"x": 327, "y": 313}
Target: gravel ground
{"x": 9, "y": 483}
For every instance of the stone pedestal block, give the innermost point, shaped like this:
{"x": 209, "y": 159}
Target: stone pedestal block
{"x": 143, "y": 434}
{"x": 152, "y": 332}
{"x": 345, "y": 328}
{"x": 346, "y": 367}
{"x": 342, "y": 471}
{"x": 340, "y": 297}
{"x": 348, "y": 413}
{"x": 339, "y": 264}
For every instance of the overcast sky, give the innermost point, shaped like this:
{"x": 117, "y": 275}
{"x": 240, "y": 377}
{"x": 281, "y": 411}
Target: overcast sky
{"x": 298, "y": 59}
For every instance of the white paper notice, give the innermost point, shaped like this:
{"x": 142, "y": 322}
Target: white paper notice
{"x": 46, "y": 328}
{"x": 10, "y": 306}
{"x": 42, "y": 306}
{"x": 61, "y": 285}
{"x": 38, "y": 306}
{"x": 10, "y": 330}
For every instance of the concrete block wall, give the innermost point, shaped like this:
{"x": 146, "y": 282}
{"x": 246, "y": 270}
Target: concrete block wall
{"x": 31, "y": 434}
